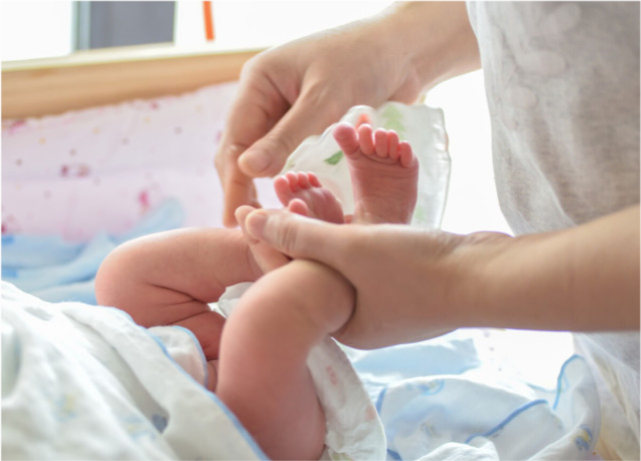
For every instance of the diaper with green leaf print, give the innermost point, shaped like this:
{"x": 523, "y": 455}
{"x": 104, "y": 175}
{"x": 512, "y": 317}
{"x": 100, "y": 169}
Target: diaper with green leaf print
{"x": 422, "y": 126}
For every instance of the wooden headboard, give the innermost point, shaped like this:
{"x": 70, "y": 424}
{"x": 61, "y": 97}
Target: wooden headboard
{"x": 92, "y": 78}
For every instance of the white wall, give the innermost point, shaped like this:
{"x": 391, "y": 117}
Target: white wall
{"x": 472, "y": 204}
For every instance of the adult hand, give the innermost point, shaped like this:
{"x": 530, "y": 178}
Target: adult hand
{"x": 410, "y": 283}
{"x": 296, "y": 90}
{"x": 413, "y": 284}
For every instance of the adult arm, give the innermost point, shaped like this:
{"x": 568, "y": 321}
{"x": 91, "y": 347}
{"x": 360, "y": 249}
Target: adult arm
{"x": 298, "y": 89}
{"x": 413, "y": 284}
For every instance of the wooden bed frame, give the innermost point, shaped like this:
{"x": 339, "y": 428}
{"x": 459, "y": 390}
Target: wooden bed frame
{"x": 108, "y": 76}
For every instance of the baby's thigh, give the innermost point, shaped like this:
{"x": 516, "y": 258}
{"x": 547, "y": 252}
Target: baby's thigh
{"x": 169, "y": 278}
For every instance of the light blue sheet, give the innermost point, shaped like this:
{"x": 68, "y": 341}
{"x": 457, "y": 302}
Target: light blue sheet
{"x": 55, "y": 270}
{"x": 438, "y": 399}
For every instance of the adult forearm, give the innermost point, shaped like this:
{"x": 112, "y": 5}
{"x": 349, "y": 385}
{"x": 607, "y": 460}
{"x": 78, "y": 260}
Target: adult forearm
{"x": 581, "y": 279}
{"x": 436, "y": 36}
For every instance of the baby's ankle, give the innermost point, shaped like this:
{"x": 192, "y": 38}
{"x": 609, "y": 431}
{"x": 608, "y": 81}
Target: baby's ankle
{"x": 323, "y": 297}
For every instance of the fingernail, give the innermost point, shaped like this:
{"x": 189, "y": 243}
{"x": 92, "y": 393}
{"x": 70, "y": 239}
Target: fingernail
{"x": 255, "y": 161}
{"x": 255, "y": 224}
{"x": 242, "y": 212}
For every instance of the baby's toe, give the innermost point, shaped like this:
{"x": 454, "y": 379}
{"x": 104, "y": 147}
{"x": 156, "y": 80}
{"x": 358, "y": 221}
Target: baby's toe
{"x": 405, "y": 154}
{"x": 299, "y": 207}
{"x": 380, "y": 143}
{"x": 293, "y": 181}
{"x": 366, "y": 139}
{"x": 362, "y": 119}
{"x": 392, "y": 144}
{"x": 303, "y": 181}
{"x": 346, "y": 137}
{"x": 282, "y": 189}
{"x": 313, "y": 180}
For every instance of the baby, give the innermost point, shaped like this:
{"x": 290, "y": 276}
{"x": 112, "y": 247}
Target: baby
{"x": 169, "y": 279}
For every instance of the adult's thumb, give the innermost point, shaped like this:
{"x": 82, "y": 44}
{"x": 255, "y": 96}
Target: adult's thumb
{"x": 298, "y": 236}
{"x": 267, "y": 156}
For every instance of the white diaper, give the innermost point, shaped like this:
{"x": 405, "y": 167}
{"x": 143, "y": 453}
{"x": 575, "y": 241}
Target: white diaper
{"x": 422, "y": 126}
{"x": 354, "y": 430}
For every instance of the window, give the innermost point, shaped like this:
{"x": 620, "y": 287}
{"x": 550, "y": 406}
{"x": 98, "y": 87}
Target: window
{"x": 40, "y": 29}
{"x": 266, "y": 23}
{"x": 36, "y": 29}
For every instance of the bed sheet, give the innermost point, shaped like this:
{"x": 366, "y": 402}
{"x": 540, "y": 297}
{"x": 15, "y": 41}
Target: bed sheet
{"x": 55, "y": 269}
{"x": 483, "y": 394}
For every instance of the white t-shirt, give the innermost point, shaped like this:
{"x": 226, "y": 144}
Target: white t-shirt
{"x": 562, "y": 82}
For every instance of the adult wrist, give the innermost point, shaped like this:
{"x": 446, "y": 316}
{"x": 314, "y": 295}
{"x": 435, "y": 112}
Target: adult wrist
{"x": 436, "y": 37}
{"x": 519, "y": 282}
{"x": 584, "y": 278}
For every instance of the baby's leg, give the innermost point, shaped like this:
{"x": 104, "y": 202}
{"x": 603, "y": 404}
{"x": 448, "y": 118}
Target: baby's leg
{"x": 170, "y": 277}
{"x": 301, "y": 193}
{"x": 384, "y": 174}
{"x": 263, "y": 376}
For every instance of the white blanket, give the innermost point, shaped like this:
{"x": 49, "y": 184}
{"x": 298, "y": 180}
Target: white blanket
{"x": 465, "y": 396}
{"x": 85, "y": 382}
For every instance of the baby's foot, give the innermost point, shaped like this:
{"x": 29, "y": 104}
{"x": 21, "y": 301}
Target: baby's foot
{"x": 320, "y": 202}
{"x": 384, "y": 174}
{"x": 301, "y": 193}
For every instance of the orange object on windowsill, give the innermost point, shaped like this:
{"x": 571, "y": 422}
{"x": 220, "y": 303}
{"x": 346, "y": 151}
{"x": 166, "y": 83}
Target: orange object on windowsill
{"x": 209, "y": 21}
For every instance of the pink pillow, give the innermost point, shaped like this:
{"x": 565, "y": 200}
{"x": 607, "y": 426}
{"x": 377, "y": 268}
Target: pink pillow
{"x": 102, "y": 169}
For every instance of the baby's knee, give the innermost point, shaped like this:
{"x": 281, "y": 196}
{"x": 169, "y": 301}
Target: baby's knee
{"x": 119, "y": 282}
{"x": 108, "y": 279}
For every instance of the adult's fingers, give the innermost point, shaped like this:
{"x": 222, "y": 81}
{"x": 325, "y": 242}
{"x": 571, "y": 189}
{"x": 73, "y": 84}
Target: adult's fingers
{"x": 257, "y": 107}
{"x": 239, "y": 190}
{"x": 301, "y": 237}
{"x": 265, "y": 256}
{"x": 309, "y": 115}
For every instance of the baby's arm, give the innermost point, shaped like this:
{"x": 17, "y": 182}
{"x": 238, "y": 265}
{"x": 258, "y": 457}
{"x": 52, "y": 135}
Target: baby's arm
{"x": 168, "y": 278}
{"x": 263, "y": 375}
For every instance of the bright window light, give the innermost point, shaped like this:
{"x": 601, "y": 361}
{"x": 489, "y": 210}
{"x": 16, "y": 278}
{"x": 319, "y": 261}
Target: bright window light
{"x": 36, "y": 29}
{"x": 250, "y": 24}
